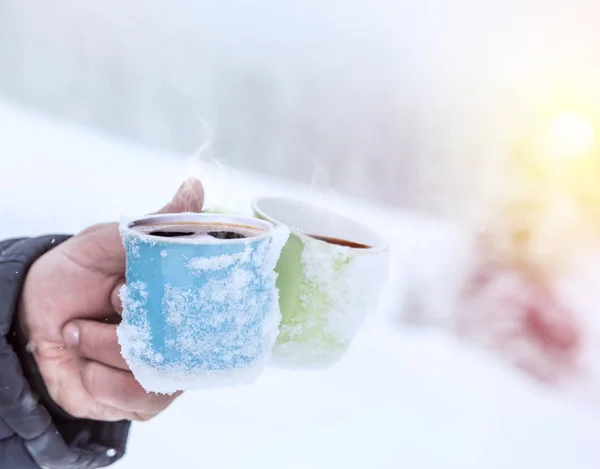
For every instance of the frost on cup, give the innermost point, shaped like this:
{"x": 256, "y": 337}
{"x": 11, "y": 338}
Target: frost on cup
{"x": 331, "y": 273}
{"x": 200, "y": 308}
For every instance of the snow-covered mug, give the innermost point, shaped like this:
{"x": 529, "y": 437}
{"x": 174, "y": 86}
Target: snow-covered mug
{"x": 199, "y": 311}
{"x": 330, "y": 275}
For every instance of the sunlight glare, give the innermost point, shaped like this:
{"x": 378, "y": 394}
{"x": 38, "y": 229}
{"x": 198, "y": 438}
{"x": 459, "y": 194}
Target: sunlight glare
{"x": 570, "y": 135}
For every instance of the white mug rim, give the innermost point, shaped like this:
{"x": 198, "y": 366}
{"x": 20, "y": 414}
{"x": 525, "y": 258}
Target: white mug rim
{"x": 127, "y": 227}
{"x": 380, "y": 246}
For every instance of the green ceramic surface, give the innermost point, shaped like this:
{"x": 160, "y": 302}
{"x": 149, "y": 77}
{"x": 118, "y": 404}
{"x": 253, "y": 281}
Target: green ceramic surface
{"x": 306, "y": 304}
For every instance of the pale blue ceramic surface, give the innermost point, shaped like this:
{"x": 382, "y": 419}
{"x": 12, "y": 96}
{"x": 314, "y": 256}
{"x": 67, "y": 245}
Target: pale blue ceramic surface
{"x": 162, "y": 265}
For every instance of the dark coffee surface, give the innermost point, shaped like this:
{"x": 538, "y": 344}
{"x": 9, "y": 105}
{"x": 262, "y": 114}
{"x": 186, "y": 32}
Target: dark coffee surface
{"x": 199, "y": 230}
{"x": 341, "y": 242}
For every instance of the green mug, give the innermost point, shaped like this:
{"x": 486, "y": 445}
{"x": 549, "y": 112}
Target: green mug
{"x": 331, "y": 273}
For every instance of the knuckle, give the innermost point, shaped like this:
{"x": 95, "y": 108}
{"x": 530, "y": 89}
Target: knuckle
{"x": 77, "y": 411}
{"x": 142, "y": 417}
{"x": 45, "y": 350}
{"x": 77, "y": 408}
{"x": 90, "y": 381}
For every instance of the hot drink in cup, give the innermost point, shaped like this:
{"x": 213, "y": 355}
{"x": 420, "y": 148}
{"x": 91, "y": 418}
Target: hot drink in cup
{"x": 200, "y": 308}
{"x": 331, "y": 273}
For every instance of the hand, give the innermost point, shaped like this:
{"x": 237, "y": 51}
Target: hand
{"x": 68, "y": 305}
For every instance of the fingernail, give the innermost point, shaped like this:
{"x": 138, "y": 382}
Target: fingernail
{"x": 71, "y": 336}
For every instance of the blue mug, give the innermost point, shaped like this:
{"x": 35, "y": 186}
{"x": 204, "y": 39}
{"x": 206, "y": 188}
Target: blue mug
{"x": 199, "y": 312}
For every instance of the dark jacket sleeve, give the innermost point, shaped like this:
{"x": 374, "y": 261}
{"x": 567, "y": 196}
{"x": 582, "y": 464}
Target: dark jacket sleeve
{"x": 34, "y": 431}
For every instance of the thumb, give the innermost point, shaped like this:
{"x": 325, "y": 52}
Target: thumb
{"x": 94, "y": 340}
{"x": 189, "y": 198}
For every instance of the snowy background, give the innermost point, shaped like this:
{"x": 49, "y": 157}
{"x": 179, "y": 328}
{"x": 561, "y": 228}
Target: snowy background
{"x": 385, "y": 110}
{"x": 401, "y": 397}
{"x": 406, "y": 103}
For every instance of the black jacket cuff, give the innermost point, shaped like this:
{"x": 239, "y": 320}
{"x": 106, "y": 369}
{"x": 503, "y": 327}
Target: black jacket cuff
{"x": 34, "y": 430}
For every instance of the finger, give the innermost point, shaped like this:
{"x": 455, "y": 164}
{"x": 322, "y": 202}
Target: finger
{"x": 119, "y": 389}
{"x": 189, "y": 198}
{"x": 96, "y": 341}
{"x": 115, "y": 297}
